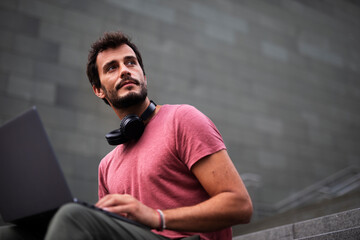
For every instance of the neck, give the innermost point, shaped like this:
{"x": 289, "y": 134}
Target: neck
{"x": 137, "y": 109}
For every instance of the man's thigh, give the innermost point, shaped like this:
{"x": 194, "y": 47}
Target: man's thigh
{"x": 74, "y": 221}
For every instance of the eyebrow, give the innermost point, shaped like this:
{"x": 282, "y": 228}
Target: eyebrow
{"x": 130, "y": 58}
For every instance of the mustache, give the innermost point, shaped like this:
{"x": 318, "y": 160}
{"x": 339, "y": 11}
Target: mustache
{"x": 126, "y": 80}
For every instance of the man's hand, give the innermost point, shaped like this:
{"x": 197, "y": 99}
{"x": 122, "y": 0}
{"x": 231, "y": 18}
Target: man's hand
{"x": 131, "y": 208}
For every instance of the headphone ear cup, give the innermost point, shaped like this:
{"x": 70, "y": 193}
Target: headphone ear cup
{"x": 131, "y": 127}
{"x": 115, "y": 137}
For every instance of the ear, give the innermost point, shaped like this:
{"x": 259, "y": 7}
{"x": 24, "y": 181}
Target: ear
{"x": 98, "y": 92}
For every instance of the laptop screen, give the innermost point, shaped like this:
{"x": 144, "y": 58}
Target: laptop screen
{"x": 31, "y": 181}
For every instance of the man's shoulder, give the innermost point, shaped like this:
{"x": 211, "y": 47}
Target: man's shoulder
{"x": 179, "y": 113}
{"x": 109, "y": 156}
{"x": 179, "y": 108}
{"x": 187, "y": 116}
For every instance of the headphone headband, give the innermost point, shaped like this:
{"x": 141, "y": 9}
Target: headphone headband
{"x": 149, "y": 110}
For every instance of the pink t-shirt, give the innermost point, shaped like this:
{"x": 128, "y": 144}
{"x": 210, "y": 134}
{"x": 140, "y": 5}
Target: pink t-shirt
{"x": 156, "y": 169}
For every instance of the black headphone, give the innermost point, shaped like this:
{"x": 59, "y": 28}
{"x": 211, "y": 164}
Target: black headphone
{"x": 131, "y": 127}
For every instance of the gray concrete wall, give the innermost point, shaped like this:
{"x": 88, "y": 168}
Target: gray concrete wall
{"x": 279, "y": 78}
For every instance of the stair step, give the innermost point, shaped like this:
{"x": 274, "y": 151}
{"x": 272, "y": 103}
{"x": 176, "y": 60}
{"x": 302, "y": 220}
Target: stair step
{"x": 346, "y": 234}
{"x": 339, "y": 226}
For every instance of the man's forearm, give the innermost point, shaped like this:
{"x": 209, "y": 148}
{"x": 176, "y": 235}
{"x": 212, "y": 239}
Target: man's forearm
{"x": 220, "y": 211}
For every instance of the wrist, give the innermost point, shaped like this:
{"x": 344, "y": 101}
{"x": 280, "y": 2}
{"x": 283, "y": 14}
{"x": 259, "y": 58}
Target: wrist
{"x": 161, "y": 217}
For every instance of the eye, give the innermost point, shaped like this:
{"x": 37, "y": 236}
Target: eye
{"x": 111, "y": 68}
{"x": 130, "y": 62}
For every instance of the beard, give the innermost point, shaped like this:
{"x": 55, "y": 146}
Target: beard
{"x": 130, "y": 99}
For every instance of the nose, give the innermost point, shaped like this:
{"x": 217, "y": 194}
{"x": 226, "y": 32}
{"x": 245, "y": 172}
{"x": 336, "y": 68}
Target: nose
{"x": 124, "y": 72}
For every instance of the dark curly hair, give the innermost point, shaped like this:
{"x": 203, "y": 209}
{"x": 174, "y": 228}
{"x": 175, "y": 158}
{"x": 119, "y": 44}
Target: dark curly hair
{"x": 108, "y": 40}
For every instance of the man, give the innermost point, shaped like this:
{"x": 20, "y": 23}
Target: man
{"x": 218, "y": 197}
{"x": 176, "y": 177}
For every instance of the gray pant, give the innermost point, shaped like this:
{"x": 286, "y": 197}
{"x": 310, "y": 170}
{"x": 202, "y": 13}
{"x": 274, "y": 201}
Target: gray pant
{"x": 74, "y": 221}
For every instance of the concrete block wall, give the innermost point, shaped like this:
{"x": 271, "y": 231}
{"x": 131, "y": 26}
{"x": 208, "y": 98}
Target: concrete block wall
{"x": 279, "y": 78}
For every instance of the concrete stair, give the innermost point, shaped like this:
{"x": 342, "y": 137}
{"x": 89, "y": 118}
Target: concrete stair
{"x": 339, "y": 226}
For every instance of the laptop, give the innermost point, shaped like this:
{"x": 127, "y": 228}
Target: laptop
{"x": 32, "y": 184}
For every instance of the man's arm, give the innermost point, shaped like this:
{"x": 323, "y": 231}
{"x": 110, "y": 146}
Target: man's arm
{"x": 229, "y": 203}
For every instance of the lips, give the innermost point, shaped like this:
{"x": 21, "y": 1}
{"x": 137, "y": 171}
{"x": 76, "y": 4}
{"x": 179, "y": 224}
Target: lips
{"x": 127, "y": 81}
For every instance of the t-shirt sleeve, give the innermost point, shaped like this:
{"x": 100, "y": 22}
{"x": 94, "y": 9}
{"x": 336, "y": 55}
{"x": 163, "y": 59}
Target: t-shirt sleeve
{"x": 196, "y": 135}
{"x": 102, "y": 190}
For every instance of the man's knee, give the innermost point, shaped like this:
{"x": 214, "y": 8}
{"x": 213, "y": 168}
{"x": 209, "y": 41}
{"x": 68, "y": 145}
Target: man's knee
{"x": 74, "y": 215}
{"x": 69, "y": 222}
{"x": 70, "y": 211}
